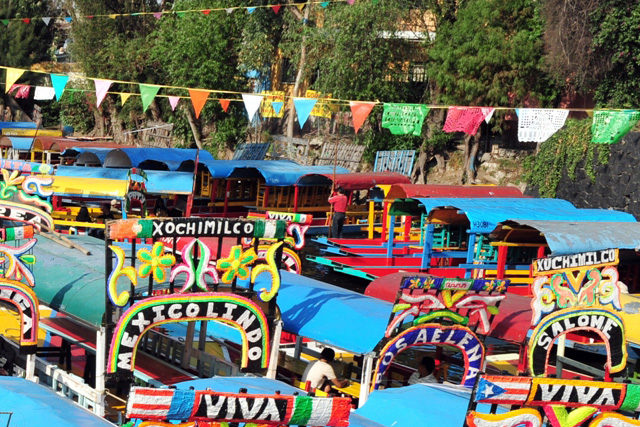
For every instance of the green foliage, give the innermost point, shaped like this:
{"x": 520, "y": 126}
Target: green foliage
{"x": 492, "y": 54}
{"x": 355, "y": 49}
{"x": 22, "y": 45}
{"x": 615, "y": 26}
{"x": 564, "y": 152}
{"x": 75, "y": 110}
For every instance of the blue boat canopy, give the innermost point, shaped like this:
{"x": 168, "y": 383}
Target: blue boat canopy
{"x": 571, "y": 237}
{"x": 275, "y": 172}
{"x": 484, "y": 214}
{"x": 92, "y": 156}
{"x": 33, "y": 405}
{"x": 18, "y": 125}
{"x": 158, "y": 182}
{"x": 21, "y": 143}
{"x": 169, "y": 158}
{"x": 332, "y": 315}
{"x": 447, "y": 406}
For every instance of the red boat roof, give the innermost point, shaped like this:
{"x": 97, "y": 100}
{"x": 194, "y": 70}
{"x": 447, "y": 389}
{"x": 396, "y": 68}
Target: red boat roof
{"x": 60, "y": 144}
{"x": 364, "y": 181}
{"x": 403, "y": 191}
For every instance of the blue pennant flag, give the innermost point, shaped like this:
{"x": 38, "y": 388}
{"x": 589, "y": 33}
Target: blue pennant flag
{"x": 59, "y": 82}
{"x": 303, "y": 109}
{"x": 68, "y": 18}
{"x": 277, "y": 106}
{"x": 251, "y": 9}
{"x": 324, "y": 4}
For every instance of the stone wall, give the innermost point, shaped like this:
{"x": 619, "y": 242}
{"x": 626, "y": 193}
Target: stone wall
{"x": 617, "y": 183}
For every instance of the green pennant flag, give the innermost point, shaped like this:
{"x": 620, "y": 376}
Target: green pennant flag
{"x": 609, "y": 127}
{"x": 147, "y": 93}
{"x": 404, "y": 119}
{"x": 180, "y": 14}
{"x": 5, "y": 22}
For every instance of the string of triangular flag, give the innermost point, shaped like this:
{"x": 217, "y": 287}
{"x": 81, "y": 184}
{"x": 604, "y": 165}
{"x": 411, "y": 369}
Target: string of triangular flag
{"x": 534, "y": 124}
{"x": 179, "y": 13}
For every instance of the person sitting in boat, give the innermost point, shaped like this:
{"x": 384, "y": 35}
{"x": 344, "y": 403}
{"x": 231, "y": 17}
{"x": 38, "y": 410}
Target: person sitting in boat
{"x": 320, "y": 374}
{"x": 83, "y": 215}
{"x": 424, "y": 374}
{"x": 339, "y": 205}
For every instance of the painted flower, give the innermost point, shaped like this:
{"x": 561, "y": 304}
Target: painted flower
{"x": 10, "y": 183}
{"x": 415, "y": 283}
{"x": 155, "y": 261}
{"x": 236, "y": 264}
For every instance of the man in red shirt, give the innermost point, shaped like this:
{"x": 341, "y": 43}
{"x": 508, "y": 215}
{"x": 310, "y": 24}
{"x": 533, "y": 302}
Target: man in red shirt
{"x": 339, "y": 204}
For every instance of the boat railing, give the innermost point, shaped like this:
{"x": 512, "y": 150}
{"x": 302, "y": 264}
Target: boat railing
{"x": 170, "y": 349}
{"x": 70, "y": 386}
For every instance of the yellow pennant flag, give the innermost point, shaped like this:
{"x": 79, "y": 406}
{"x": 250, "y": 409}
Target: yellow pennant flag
{"x": 113, "y": 16}
{"x": 13, "y": 74}
{"x": 124, "y": 97}
{"x": 300, "y": 6}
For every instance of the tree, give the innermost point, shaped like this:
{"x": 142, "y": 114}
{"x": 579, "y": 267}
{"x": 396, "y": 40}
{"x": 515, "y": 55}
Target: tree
{"x": 491, "y": 54}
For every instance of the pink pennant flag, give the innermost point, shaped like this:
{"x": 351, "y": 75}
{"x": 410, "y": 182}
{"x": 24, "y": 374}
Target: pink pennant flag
{"x": 157, "y": 15}
{"x": 351, "y": 1}
{"x": 360, "y": 111}
{"x": 102, "y": 87}
{"x": 465, "y": 119}
{"x": 173, "y": 101}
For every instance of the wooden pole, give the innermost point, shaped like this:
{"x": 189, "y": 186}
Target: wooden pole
{"x": 333, "y": 186}
{"x": 61, "y": 240}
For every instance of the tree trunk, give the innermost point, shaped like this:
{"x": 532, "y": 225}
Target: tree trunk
{"x": 471, "y": 146}
{"x": 419, "y": 175}
{"x": 194, "y": 128}
{"x": 299, "y": 76}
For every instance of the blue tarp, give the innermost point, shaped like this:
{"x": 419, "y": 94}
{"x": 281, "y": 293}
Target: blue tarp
{"x": 274, "y": 172}
{"x": 484, "y": 214}
{"x": 33, "y": 405}
{"x": 159, "y": 182}
{"x": 172, "y": 157}
{"x": 21, "y": 143}
{"x": 332, "y": 315}
{"x": 419, "y": 405}
{"x": 18, "y": 125}
{"x": 570, "y": 237}
{"x": 255, "y": 385}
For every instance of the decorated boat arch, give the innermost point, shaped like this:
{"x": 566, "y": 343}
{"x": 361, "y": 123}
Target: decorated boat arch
{"x": 441, "y": 312}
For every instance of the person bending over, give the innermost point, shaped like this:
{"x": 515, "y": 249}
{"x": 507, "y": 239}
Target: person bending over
{"x": 424, "y": 374}
{"x": 320, "y": 374}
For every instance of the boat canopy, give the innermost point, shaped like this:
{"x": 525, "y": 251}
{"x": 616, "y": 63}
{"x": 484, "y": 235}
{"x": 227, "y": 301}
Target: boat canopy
{"x": 402, "y": 191}
{"x": 18, "y": 143}
{"x": 158, "y": 182}
{"x": 354, "y": 181}
{"x": 75, "y": 283}
{"x": 168, "y": 158}
{"x": 33, "y": 405}
{"x": 89, "y": 187}
{"x": 447, "y": 406}
{"x": 484, "y": 214}
{"x": 18, "y": 125}
{"x": 331, "y": 315}
{"x": 59, "y": 144}
{"x": 571, "y": 237}
{"x": 280, "y": 173}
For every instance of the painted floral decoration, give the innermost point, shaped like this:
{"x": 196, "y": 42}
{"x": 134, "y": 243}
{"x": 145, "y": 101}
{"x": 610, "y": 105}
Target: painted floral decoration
{"x": 155, "y": 261}
{"x": 236, "y": 264}
{"x": 10, "y": 183}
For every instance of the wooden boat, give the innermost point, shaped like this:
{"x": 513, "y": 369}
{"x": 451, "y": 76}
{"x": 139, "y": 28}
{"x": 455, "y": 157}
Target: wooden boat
{"x": 454, "y": 240}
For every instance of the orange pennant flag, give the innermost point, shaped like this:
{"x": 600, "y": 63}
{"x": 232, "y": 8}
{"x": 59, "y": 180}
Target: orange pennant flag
{"x": 198, "y": 99}
{"x": 360, "y": 111}
{"x": 225, "y": 104}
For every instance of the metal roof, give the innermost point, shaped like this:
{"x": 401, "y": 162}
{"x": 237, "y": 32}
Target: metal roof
{"x": 571, "y": 237}
{"x": 484, "y": 214}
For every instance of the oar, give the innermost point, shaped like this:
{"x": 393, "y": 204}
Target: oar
{"x": 61, "y": 240}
